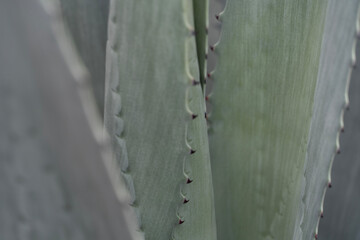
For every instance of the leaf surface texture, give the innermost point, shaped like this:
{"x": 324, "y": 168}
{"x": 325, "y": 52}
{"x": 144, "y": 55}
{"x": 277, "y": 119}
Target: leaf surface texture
{"x": 263, "y": 94}
{"x": 155, "y": 115}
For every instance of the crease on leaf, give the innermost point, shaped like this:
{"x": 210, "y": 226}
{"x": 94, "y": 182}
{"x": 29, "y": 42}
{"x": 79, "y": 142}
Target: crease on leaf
{"x": 201, "y": 22}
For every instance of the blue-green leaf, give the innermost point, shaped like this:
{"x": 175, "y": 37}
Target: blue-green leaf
{"x": 155, "y": 115}
{"x": 264, "y": 84}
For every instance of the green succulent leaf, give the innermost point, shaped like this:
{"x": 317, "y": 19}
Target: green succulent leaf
{"x": 263, "y": 94}
{"x": 336, "y": 62}
{"x": 154, "y": 113}
{"x": 87, "y": 23}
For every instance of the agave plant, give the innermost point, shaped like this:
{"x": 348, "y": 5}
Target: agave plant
{"x": 258, "y": 164}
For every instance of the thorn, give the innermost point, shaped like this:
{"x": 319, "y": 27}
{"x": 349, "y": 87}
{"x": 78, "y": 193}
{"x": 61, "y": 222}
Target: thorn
{"x": 322, "y": 215}
{"x": 329, "y": 185}
{"x": 347, "y": 107}
{"x": 192, "y": 32}
{"x": 217, "y": 17}
{"x": 206, "y": 117}
{"x": 181, "y": 221}
{"x": 204, "y": 80}
{"x": 132, "y": 204}
{"x": 342, "y": 129}
{"x": 206, "y": 56}
{"x": 338, "y": 151}
{"x": 194, "y": 82}
{"x": 207, "y": 98}
{"x": 188, "y": 181}
{"x": 185, "y": 201}
{"x": 212, "y": 48}
{"x": 192, "y": 151}
{"x": 316, "y": 236}
{"x": 209, "y": 75}
{"x": 193, "y": 116}
{"x": 206, "y": 30}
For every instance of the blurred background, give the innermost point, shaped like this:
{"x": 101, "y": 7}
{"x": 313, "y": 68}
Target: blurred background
{"x": 53, "y": 182}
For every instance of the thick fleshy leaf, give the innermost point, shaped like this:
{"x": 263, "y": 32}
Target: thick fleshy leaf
{"x": 337, "y": 58}
{"x": 87, "y": 23}
{"x": 341, "y": 206}
{"x": 154, "y": 113}
{"x": 264, "y": 84}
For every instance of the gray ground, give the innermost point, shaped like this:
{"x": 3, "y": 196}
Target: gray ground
{"x": 53, "y": 184}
